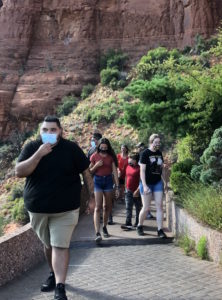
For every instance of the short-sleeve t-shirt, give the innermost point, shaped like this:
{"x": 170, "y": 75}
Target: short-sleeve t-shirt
{"x": 106, "y": 168}
{"x": 122, "y": 164}
{"x": 154, "y": 165}
{"x": 132, "y": 177}
{"x": 54, "y": 186}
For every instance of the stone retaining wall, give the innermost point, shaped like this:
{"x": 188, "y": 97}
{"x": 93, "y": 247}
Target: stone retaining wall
{"x": 19, "y": 252}
{"x": 22, "y": 249}
{"x": 180, "y": 222}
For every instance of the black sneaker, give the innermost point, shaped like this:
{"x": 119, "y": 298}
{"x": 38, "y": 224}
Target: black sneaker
{"x": 161, "y": 234}
{"x": 49, "y": 284}
{"x": 105, "y": 232}
{"x": 60, "y": 293}
{"x": 98, "y": 238}
{"x": 140, "y": 230}
{"x": 127, "y": 226}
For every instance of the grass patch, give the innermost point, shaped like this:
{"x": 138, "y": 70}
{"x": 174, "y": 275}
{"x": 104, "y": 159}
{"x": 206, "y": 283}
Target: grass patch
{"x": 202, "y": 248}
{"x": 204, "y": 203}
{"x": 187, "y": 244}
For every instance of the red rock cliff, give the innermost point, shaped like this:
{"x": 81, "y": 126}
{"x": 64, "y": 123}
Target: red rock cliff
{"x": 50, "y": 48}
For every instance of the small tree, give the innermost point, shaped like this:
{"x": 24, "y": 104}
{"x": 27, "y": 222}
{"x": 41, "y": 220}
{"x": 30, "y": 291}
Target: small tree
{"x": 210, "y": 169}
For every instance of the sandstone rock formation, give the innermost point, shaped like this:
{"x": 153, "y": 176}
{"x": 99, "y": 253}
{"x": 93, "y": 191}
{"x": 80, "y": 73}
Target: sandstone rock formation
{"x": 51, "y": 48}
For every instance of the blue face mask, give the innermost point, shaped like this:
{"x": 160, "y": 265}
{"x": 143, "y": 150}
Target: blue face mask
{"x": 50, "y": 138}
{"x": 93, "y": 144}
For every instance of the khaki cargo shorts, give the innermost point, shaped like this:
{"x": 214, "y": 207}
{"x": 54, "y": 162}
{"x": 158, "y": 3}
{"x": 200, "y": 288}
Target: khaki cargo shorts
{"x": 55, "y": 229}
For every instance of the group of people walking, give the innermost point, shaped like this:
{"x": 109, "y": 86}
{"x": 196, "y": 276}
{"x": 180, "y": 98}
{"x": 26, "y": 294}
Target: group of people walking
{"x": 136, "y": 175}
{"x": 52, "y": 166}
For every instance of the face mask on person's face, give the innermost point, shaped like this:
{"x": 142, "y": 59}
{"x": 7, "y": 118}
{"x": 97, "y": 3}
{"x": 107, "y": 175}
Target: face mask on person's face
{"x": 50, "y": 138}
{"x": 103, "y": 151}
{"x": 93, "y": 144}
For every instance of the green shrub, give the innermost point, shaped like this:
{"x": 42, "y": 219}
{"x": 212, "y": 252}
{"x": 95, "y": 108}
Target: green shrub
{"x": 16, "y": 191}
{"x": 210, "y": 169}
{"x": 177, "y": 181}
{"x": 184, "y": 148}
{"x": 152, "y": 63}
{"x": 187, "y": 244}
{"x": 18, "y": 211}
{"x": 200, "y": 44}
{"x": 107, "y": 75}
{"x": 195, "y": 172}
{"x": 184, "y": 166}
{"x": 67, "y": 106}
{"x": 202, "y": 248}
{"x": 112, "y": 59}
{"x": 106, "y": 111}
{"x": 217, "y": 49}
{"x": 87, "y": 90}
{"x": 124, "y": 96}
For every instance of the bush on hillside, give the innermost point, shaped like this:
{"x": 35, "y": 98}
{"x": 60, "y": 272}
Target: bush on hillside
{"x": 113, "y": 59}
{"x": 16, "y": 191}
{"x": 67, "y": 106}
{"x": 108, "y": 75}
{"x": 87, "y": 90}
{"x": 18, "y": 211}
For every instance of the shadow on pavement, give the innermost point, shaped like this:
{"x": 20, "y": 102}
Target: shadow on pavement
{"x": 91, "y": 294}
{"x": 122, "y": 242}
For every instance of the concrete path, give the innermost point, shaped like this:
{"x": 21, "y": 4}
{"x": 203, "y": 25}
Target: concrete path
{"x": 125, "y": 266}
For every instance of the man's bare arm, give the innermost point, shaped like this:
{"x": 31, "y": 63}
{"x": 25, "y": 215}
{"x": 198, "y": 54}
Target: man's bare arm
{"x": 88, "y": 181}
{"x": 26, "y": 167}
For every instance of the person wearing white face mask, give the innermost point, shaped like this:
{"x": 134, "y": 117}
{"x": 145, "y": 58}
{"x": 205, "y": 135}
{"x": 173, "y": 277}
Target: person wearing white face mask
{"x": 94, "y": 143}
{"x": 52, "y": 166}
{"x": 151, "y": 164}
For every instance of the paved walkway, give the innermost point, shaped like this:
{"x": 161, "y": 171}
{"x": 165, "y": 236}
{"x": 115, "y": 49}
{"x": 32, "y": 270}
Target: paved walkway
{"x": 125, "y": 266}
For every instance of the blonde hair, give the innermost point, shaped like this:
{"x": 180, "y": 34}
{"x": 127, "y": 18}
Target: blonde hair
{"x": 153, "y": 137}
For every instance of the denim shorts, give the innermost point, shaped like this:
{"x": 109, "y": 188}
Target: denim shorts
{"x": 103, "y": 183}
{"x": 158, "y": 187}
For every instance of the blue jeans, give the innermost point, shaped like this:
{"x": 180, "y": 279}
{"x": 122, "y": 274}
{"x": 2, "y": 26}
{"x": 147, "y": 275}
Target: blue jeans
{"x": 130, "y": 200}
{"x": 158, "y": 187}
{"x": 103, "y": 183}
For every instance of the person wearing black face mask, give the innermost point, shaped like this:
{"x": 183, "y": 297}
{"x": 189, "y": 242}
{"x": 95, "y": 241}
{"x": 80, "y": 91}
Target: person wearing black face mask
{"x": 103, "y": 166}
{"x": 132, "y": 195}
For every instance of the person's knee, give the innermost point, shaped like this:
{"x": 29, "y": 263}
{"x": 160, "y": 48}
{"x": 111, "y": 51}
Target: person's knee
{"x": 60, "y": 249}
{"x": 98, "y": 208}
{"x": 106, "y": 208}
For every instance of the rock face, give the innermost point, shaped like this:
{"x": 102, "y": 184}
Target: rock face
{"x": 51, "y": 48}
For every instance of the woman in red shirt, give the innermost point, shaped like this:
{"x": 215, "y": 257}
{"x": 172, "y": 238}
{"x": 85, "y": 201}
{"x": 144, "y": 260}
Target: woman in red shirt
{"x": 122, "y": 164}
{"x": 103, "y": 166}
